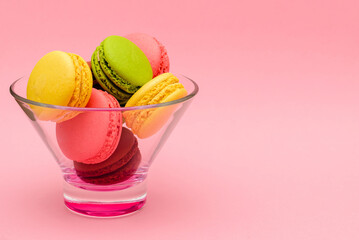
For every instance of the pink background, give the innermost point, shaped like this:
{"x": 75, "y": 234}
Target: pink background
{"x": 268, "y": 149}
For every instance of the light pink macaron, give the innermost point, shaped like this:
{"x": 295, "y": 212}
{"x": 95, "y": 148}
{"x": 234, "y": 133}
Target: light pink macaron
{"x": 154, "y": 51}
{"x": 91, "y": 137}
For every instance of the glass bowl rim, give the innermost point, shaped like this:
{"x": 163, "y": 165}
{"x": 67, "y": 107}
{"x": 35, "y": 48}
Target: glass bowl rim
{"x": 31, "y": 102}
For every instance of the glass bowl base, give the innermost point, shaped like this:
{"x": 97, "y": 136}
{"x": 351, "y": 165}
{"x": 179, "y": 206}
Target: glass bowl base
{"x": 105, "y": 204}
{"x": 106, "y": 210}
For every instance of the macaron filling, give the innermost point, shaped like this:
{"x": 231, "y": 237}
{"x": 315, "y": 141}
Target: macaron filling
{"x": 112, "y": 75}
{"x": 152, "y": 96}
{"x": 158, "y": 89}
{"x": 87, "y": 83}
{"x": 75, "y": 99}
{"x": 130, "y": 116}
{"x": 163, "y": 96}
{"x": 107, "y": 166}
{"x": 104, "y": 82}
{"x": 83, "y": 87}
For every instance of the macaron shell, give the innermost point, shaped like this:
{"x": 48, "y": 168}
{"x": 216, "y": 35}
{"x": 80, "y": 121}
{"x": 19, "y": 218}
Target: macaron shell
{"x": 104, "y": 82}
{"x": 53, "y": 72}
{"x": 120, "y": 175}
{"x": 59, "y": 78}
{"x": 86, "y": 81}
{"x": 147, "y": 95}
{"x": 151, "y": 89}
{"x": 83, "y": 88}
{"x": 107, "y": 166}
{"x": 127, "y": 60}
{"x": 116, "y": 79}
{"x": 126, "y": 149}
{"x": 155, "y": 95}
{"x": 154, "y": 51}
{"x": 163, "y": 88}
{"x": 75, "y": 99}
{"x": 150, "y": 121}
{"x": 91, "y": 137}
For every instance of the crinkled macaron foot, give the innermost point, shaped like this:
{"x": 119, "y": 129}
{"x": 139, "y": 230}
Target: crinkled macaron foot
{"x": 163, "y": 88}
{"x": 92, "y": 136}
{"x": 59, "y": 78}
{"x": 120, "y": 67}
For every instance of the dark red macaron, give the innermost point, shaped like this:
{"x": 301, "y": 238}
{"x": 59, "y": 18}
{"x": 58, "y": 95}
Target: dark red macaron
{"x": 120, "y": 175}
{"x": 120, "y": 166}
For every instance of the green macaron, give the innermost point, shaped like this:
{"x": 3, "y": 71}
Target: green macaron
{"x": 120, "y": 67}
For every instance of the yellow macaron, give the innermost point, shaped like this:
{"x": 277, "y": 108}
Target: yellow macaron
{"x": 59, "y": 78}
{"x": 163, "y": 88}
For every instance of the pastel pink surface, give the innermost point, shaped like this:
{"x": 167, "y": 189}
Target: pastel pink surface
{"x": 91, "y": 137}
{"x": 154, "y": 51}
{"x": 288, "y": 150}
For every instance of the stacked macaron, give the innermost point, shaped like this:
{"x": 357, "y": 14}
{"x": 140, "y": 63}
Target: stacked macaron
{"x": 91, "y": 137}
{"x": 128, "y": 71}
{"x": 163, "y": 88}
{"x": 121, "y": 65}
{"x": 118, "y": 167}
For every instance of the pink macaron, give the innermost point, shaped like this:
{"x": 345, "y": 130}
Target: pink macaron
{"x": 91, "y": 137}
{"x": 154, "y": 51}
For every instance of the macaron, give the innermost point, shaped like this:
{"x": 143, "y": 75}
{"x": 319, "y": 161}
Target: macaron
{"x": 118, "y": 167}
{"x": 154, "y": 51}
{"x": 92, "y": 136}
{"x": 59, "y": 78}
{"x": 120, "y": 67}
{"x": 163, "y": 88}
